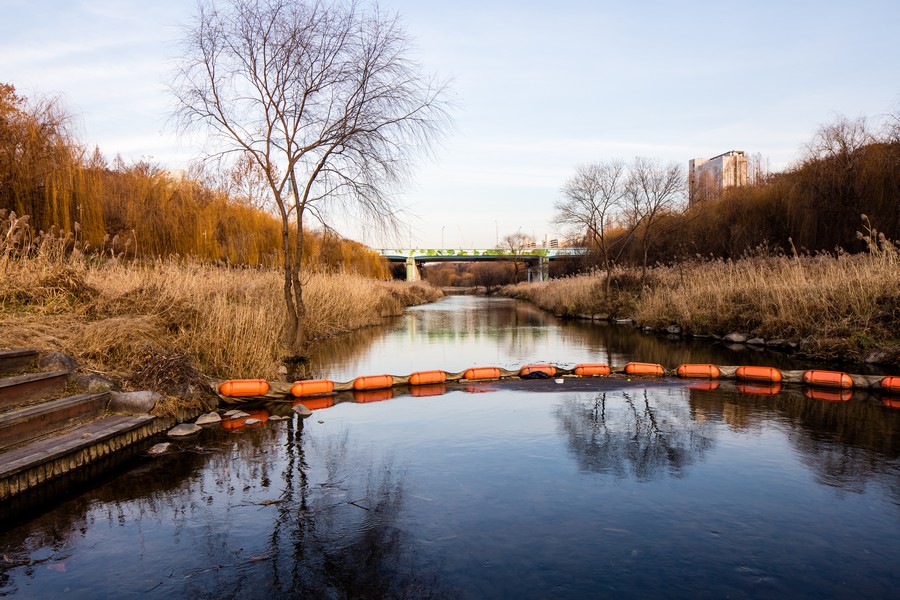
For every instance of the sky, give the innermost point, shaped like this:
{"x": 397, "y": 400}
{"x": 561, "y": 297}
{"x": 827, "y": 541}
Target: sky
{"x": 539, "y": 88}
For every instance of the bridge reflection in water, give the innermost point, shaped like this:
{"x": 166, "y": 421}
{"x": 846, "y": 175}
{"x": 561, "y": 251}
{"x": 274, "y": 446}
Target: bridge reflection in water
{"x": 537, "y": 259}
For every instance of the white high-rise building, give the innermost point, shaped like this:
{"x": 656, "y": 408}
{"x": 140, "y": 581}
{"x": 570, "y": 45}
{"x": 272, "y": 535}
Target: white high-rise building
{"x": 708, "y": 177}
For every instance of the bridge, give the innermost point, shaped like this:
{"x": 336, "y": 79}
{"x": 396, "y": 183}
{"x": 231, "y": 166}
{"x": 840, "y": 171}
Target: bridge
{"x": 537, "y": 259}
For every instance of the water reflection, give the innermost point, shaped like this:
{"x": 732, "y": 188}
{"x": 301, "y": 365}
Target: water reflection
{"x": 634, "y": 434}
{"x": 459, "y": 332}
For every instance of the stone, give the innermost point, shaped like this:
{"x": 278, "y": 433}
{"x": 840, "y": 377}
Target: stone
{"x": 735, "y": 338}
{"x": 624, "y": 321}
{"x": 234, "y": 413}
{"x": 57, "y": 361}
{"x": 775, "y": 343}
{"x": 251, "y": 421}
{"x": 673, "y": 330}
{"x": 185, "y": 429}
{"x": 95, "y": 383}
{"x": 278, "y": 418}
{"x": 208, "y": 418}
{"x": 158, "y": 449}
{"x": 134, "y": 403}
{"x": 757, "y": 341}
{"x": 302, "y": 411}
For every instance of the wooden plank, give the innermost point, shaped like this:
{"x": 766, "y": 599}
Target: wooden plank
{"x": 13, "y": 361}
{"x": 31, "y": 422}
{"x": 85, "y": 436}
{"x": 34, "y": 386}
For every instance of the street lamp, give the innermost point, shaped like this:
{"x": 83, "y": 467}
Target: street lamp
{"x": 497, "y": 227}
{"x": 442, "y": 236}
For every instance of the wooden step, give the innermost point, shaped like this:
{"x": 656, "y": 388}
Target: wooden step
{"x": 40, "y": 461}
{"x": 22, "y": 389}
{"x": 16, "y": 361}
{"x": 31, "y": 422}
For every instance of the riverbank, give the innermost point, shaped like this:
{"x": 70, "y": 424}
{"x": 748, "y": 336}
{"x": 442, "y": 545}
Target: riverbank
{"x": 841, "y": 309}
{"x": 168, "y": 324}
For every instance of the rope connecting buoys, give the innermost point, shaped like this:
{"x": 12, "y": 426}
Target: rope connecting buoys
{"x": 828, "y": 379}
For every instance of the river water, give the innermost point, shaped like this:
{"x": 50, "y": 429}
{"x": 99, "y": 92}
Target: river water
{"x": 595, "y": 488}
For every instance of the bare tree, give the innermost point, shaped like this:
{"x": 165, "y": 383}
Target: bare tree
{"x": 323, "y": 97}
{"x": 516, "y": 244}
{"x": 591, "y": 199}
{"x": 652, "y": 189}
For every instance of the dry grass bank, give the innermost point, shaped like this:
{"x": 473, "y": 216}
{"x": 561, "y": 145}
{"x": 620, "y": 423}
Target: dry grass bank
{"x": 842, "y": 308}
{"x": 124, "y": 318}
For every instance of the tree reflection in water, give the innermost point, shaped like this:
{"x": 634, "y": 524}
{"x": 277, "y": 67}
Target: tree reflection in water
{"x": 646, "y": 435}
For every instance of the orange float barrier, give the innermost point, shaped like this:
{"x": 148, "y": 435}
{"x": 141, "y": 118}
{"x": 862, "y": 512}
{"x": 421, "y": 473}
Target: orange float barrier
{"x": 243, "y": 388}
{"x": 704, "y": 371}
{"x": 759, "y": 390}
{"x": 316, "y": 403}
{"x": 706, "y": 386}
{"x": 261, "y": 415}
{"x": 373, "y": 382}
{"x": 758, "y": 374}
{"x": 482, "y": 373}
{"x": 828, "y": 379}
{"x": 422, "y": 391}
{"x": 636, "y": 368}
{"x": 828, "y": 395}
{"x": 592, "y": 369}
{"x": 366, "y": 396}
{"x": 427, "y": 377}
{"x": 891, "y": 384}
{"x": 549, "y": 370}
{"x": 312, "y": 387}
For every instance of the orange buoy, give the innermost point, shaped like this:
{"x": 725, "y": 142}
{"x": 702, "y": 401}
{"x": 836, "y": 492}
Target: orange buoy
{"x": 758, "y": 374}
{"x": 427, "y": 377}
{"x": 841, "y": 395}
{"x": 316, "y": 403}
{"x": 242, "y": 388}
{"x": 891, "y": 384}
{"x": 759, "y": 390}
{"x": 706, "y": 386}
{"x": 828, "y": 379}
{"x": 312, "y": 387}
{"x": 592, "y": 369}
{"x": 704, "y": 371}
{"x": 365, "y": 396}
{"x": 373, "y": 382}
{"x": 434, "y": 389}
{"x": 549, "y": 370}
{"x": 636, "y": 368}
{"x": 482, "y": 373}
{"x": 260, "y": 415}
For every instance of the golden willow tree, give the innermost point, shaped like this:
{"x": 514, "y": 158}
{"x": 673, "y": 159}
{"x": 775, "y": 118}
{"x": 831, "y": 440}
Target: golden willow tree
{"x": 323, "y": 96}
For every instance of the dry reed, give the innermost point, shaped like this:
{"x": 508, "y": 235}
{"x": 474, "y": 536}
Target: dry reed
{"x": 843, "y": 307}
{"x": 115, "y": 316}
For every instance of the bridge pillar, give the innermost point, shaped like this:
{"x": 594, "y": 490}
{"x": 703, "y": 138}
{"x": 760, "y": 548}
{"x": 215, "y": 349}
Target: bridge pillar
{"x": 543, "y": 269}
{"x": 412, "y": 270}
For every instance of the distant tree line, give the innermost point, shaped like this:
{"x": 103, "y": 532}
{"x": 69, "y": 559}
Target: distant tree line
{"x": 139, "y": 210}
{"x": 637, "y": 213}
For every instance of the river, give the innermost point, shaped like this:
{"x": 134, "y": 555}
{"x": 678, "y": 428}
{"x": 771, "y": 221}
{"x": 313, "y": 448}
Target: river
{"x": 605, "y": 487}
